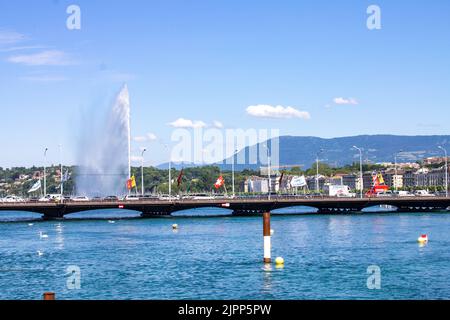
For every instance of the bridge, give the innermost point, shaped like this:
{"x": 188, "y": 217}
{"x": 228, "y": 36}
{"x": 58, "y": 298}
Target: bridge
{"x": 239, "y": 206}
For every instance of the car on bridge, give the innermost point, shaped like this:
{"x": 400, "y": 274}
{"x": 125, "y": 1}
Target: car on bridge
{"x": 131, "y": 197}
{"x": 80, "y": 199}
{"x": 12, "y": 199}
{"x": 111, "y": 198}
{"x": 403, "y": 194}
{"x": 148, "y": 197}
{"x": 424, "y": 193}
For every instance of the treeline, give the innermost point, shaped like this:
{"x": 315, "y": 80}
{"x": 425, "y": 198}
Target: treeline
{"x": 193, "y": 180}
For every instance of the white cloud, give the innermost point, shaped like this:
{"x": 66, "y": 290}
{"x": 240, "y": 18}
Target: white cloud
{"x": 22, "y": 48}
{"x": 116, "y": 76}
{"x": 10, "y": 37}
{"x": 44, "y": 78}
{"x": 44, "y": 58}
{"x": 345, "y": 101}
{"x": 277, "y": 112}
{"x": 186, "y": 123}
{"x": 147, "y": 137}
{"x": 218, "y": 124}
{"x": 136, "y": 158}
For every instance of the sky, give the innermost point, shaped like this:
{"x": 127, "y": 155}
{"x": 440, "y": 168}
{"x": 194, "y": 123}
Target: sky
{"x": 305, "y": 68}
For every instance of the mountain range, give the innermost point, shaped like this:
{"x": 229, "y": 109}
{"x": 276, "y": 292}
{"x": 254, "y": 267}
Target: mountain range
{"x": 339, "y": 151}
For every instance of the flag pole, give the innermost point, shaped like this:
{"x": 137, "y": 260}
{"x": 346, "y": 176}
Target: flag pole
{"x": 62, "y": 178}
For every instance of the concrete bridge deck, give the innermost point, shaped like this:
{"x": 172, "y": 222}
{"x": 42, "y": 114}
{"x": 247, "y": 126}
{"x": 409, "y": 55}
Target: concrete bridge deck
{"x": 240, "y": 206}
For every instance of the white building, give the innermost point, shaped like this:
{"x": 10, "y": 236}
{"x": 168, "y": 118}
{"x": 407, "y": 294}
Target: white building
{"x": 257, "y": 185}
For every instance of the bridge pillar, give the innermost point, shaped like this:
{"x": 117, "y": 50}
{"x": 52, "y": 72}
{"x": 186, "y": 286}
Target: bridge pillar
{"x": 56, "y": 213}
{"x": 267, "y": 239}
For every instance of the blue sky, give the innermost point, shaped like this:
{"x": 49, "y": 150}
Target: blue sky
{"x": 209, "y": 61}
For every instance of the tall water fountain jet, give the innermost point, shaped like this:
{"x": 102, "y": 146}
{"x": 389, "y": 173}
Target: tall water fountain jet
{"x": 104, "y": 152}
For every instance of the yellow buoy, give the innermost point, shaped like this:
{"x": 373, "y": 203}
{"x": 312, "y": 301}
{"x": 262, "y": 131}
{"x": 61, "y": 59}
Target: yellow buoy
{"x": 279, "y": 261}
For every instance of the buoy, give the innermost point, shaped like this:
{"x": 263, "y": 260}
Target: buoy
{"x": 30, "y": 224}
{"x": 111, "y": 221}
{"x": 279, "y": 261}
{"x": 272, "y": 232}
{"x": 423, "y": 239}
{"x": 174, "y": 226}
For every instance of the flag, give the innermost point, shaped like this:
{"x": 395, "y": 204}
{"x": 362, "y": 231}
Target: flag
{"x": 180, "y": 178}
{"x": 35, "y": 187}
{"x": 131, "y": 183}
{"x": 220, "y": 182}
{"x": 375, "y": 179}
{"x": 298, "y": 181}
{"x": 281, "y": 178}
{"x": 380, "y": 179}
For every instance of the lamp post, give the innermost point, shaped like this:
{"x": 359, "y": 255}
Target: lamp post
{"x": 170, "y": 170}
{"x": 62, "y": 174}
{"x": 232, "y": 173}
{"x": 45, "y": 172}
{"x": 142, "y": 171}
{"x": 361, "y": 181}
{"x": 446, "y": 170}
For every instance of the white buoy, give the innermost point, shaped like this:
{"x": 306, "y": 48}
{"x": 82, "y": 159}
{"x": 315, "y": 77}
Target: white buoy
{"x": 423, "y": 238}
{"x": 272, "y": 232}
{"x": 30, "y": 224}
{"x": 175, "y": 226}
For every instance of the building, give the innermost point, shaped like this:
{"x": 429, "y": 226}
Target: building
{"x": 256, "y": 185}
{"x": 337, "y": 180}
{"x": 312, "y": 183}
{"x": 409, "y": 179}
{"x": 436, "y": 177}
{"x": 393, "y": 180}
{"x": 352, "y": 181}
{"x": 433, "y": 160}
{"x": 367, "y": 180}
{"x": 421, "y": 177}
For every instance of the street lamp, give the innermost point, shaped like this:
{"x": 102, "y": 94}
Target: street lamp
{"x": 232, "y": 172}
{"x": 446, "y": 170}
{"x": 62, "y": 174}
{"x": 142, "y": 170}
{"x": 45, "y": 174}
{"x": 170, "y": 170}
{"x": 361, "y": 181}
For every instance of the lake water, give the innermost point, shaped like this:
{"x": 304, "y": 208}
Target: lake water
{"x": 326, "y": 257}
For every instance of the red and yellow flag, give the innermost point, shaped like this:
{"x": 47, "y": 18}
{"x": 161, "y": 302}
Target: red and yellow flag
{"x": 131, "y": 183}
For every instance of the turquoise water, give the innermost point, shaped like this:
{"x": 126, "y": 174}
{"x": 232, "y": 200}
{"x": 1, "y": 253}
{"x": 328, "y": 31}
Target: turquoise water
{"x": 220, "y": 258}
